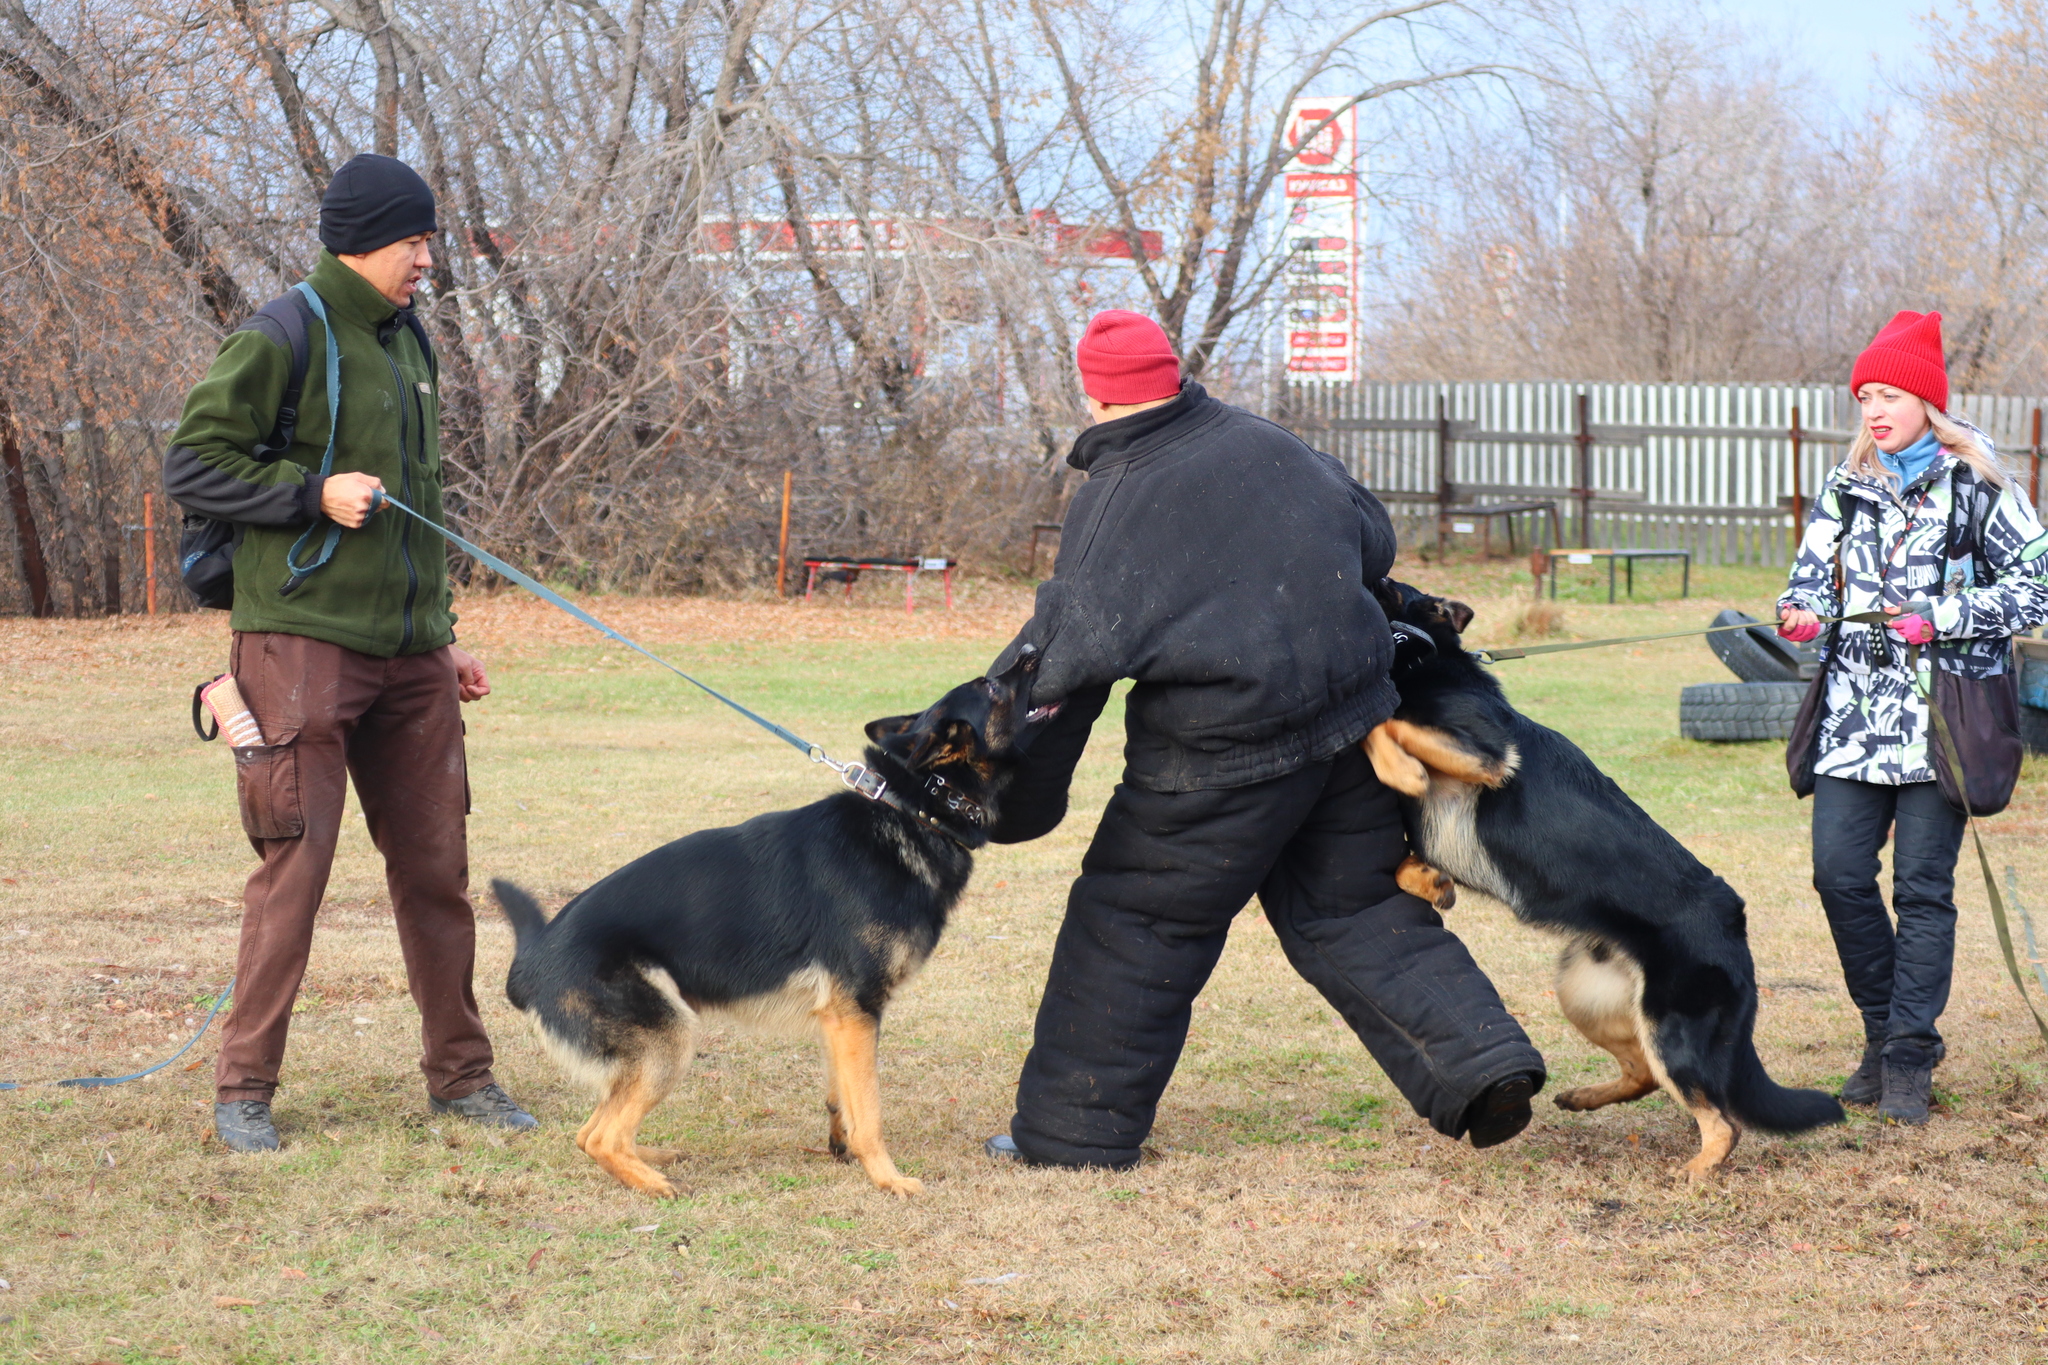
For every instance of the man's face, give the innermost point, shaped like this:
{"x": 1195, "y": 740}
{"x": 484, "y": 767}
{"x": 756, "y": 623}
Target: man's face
{"x": 396, "y": 269}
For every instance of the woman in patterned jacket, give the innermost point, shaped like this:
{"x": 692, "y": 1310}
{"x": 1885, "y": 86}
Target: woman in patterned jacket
{"x": 1919, "y": 510}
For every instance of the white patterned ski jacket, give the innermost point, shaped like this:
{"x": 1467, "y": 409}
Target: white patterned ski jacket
{"x": 1977, "y": 552}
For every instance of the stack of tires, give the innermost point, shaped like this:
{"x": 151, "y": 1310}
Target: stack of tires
{"x": 1762, "y": 705}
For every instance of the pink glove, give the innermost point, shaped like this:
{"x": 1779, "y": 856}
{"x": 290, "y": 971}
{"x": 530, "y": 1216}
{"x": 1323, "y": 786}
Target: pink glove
{"x": 1912, "y": 627}
{"x": 1800, "y": 633}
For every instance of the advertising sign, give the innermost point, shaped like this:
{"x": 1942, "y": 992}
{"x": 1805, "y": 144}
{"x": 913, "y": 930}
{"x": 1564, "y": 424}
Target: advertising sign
{"x": 1321, "y": 224}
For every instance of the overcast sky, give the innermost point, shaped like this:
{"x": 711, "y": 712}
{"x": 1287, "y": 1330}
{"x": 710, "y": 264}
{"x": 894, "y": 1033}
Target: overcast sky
{"x": 1835, "y": 39}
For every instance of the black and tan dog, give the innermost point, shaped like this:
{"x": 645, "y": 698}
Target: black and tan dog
{"x": 1656, "y": 965}
{"x": 803, "y": 921}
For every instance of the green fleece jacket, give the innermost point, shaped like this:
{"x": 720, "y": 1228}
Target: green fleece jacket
{"x": 385, "y": 592}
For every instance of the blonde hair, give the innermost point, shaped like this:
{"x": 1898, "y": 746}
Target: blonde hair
{"x": 1964, "y": 442}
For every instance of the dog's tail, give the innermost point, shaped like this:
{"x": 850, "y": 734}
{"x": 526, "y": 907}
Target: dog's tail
{"x": 529, "y": 921}
{"x": 1757, "y": 1101}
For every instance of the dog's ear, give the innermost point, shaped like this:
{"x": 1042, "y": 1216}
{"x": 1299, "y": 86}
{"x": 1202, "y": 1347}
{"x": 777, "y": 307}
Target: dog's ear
{"x": 890, "y": 728}
{"x": 950, "y": 740}
{"x": 1460, "y": 614}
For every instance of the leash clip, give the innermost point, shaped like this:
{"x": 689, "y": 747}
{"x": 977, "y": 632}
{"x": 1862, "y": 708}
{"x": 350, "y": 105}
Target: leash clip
{"x": 862, "y": 780}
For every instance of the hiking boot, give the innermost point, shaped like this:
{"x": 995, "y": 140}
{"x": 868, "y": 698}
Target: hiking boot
{"x": 490, "y": 1106}
{"x": 245, "y": 1126}
{"x": 1501, "y": 1111}
{"x": 1908, "y": 1084}
{"x": 1866, "y": 1084}
{"x": 1001, "y": 1147}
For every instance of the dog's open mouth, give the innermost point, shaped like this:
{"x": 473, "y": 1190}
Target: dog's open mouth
{"x": 1039, "y": 713}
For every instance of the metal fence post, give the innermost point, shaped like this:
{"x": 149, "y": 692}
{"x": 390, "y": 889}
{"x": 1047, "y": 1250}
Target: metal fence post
{"x": 1584, "y": 441}
{"x": 1443, "y": 467}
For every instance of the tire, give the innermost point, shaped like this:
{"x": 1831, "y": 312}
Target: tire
{"x": 1725, "y": 713}
{"x": 2033, "y": 728}
{"x": 1759, "y": 655}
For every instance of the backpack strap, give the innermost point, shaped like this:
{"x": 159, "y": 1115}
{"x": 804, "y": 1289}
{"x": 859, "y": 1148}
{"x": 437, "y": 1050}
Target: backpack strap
{"x": 284, "y": 320}
{"x": 311, "y": 299}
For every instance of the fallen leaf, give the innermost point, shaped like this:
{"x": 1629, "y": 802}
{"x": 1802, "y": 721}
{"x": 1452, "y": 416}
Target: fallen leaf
{"x": 431, "y": 1335}
{"x": 292, "y": 1272}
{"x": 119, "y": 1341}
{"x": 224, "y": 1301}
{"x": 650, "y": 1227}
{"x": 1802, "y": 1246}
{"x": 534, "y": 1259}
{"x": 1008, "y": 1276}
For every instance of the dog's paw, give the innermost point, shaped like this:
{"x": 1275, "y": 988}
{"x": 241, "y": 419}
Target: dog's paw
{"x": 902, "y": 1186}
{"x": 1418, "y": 878}
{"x": 658, "y": 1156}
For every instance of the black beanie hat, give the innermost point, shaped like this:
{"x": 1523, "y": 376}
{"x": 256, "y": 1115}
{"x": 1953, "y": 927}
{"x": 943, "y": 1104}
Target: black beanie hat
{"x": 372, "y": 202}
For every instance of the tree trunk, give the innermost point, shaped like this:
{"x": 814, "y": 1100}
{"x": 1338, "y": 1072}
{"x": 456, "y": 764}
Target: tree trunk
{"x": 28, "y": 542}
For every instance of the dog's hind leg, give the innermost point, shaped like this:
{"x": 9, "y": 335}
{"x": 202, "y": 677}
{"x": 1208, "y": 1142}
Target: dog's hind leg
{"x": 850, "y": 1033}
{"x": 1598, "y": 990}
{"x": 610, "y": 1138}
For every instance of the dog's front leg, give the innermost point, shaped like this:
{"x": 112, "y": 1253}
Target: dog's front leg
{"x": 1395, "y": 766}
{"x": 850, "y": 1035}
{"x": 835, "y": 1131}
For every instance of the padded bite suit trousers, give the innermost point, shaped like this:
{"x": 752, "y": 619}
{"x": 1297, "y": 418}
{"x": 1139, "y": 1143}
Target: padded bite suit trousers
{"x": 1147, "y": 919}
{"x": 395, "y": 725}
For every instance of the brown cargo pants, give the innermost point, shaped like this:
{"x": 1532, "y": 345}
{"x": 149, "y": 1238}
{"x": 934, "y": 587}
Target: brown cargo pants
{"x": 395, "y": 725}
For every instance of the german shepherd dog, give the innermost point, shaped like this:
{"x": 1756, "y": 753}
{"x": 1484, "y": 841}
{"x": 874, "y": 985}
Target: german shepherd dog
{"x": 801, "y": 921}
{"x": 1656, "y": 965}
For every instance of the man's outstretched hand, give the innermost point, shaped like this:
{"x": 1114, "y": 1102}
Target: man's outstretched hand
{"x": 469, "y": 674}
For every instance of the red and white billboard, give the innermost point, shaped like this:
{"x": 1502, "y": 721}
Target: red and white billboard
{"x": 1321, "y": 225}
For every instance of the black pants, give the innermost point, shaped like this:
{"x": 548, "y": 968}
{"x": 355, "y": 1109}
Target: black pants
{"x": 1898, "y": 978}
{"x": 1146, "y": 922}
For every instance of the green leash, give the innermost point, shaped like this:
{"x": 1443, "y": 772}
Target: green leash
{"x": 1494, "y": 656}
{"x": 1998, "y": 919}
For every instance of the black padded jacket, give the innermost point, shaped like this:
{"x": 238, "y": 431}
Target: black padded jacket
{"x": 1226, "y": 567}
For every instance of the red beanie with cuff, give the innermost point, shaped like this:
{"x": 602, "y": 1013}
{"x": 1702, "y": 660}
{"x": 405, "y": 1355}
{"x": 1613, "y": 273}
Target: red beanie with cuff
{"x": 1125, "y": 358}
{"x": 1906, "y": 354}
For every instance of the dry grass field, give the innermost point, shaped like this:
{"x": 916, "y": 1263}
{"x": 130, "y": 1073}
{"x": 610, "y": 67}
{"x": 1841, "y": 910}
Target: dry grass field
{"x": 1293, "y": 1209}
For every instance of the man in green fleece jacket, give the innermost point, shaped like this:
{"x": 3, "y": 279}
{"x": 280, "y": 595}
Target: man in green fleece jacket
{"x": 352, "y": 668}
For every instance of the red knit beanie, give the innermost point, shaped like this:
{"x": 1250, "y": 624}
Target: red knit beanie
{"x": 1906, "y": 353}
{"x": 1125, "y": 358}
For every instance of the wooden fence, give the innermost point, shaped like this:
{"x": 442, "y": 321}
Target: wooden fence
{"x": 1721, "y": 469}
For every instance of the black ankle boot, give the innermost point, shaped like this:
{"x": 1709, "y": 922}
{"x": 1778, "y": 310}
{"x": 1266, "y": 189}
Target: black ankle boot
{"x": 1908, "y": 1083}
{"x": 1866, "y": 1084}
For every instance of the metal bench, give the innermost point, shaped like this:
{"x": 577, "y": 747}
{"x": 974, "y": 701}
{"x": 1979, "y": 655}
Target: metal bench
{"x": 848, "y": 569}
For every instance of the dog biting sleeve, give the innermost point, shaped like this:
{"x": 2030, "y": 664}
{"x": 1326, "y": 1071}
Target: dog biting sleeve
{"x": 1036, "y": 800}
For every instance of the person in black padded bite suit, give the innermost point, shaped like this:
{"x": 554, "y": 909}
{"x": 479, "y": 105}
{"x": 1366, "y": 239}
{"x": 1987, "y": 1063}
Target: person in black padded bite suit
{"x": 1227, "y": 568}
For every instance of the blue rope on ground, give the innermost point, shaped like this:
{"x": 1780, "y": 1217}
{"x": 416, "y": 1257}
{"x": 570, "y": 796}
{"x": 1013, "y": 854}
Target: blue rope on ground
{"x": 92, "y": 1081}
